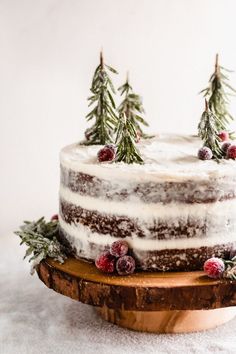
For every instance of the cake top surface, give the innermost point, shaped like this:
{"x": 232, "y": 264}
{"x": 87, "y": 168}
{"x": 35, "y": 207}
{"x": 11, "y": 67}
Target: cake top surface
{"x": 167, "y": 157}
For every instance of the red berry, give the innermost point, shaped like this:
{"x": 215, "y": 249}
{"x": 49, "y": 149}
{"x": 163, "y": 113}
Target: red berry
{"x": 119, "y": 248}
{"x": 125, "y": 265}
{"x": 54, "y": 217}
{"x": 107, "y": 153}
{"x": 224, "y": 136}
{"x": 105, "y": 262}
{"x": 214, "y": 268}
{"x": 225, "y": 147}
{"x": 205, "y": 153}
{"x": 231, "y": 152}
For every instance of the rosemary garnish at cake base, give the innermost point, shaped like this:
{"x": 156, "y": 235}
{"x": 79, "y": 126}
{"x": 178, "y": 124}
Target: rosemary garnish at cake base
{"x": 217, "y": 94}
{"x": 132, "y": 108}
{"x": 125, "y": 140}
{"x": 208, "y": 132}
{"x": 103, "y": 112}
{"x": 41, "y": 239}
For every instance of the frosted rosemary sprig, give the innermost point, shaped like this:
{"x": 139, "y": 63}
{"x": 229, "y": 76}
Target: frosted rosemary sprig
{"x": 208, "y": 132}
{"x": 101, "y": 132}
{"x": 125, "y": 141}
{"x": 132, "y": 108}
{"x": 40, "y": 238}
{"x": 218, "y": 93}
{"x": 230, "y": 269}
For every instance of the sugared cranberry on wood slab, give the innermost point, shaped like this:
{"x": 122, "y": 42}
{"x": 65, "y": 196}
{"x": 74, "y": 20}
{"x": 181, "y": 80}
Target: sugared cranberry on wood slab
{"x": 125, "y": 265}
{"x": 105, "y": 262}
{"x": 119, "y": 248}
{"x": 214, "y": 268}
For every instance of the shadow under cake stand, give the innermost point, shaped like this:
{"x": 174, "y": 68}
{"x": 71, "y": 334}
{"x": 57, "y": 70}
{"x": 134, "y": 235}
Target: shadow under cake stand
{"x": 157, "y": 302}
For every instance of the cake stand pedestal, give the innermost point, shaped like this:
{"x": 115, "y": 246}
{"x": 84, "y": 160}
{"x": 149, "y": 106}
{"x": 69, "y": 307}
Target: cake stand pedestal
{"x": 157, "y": 302}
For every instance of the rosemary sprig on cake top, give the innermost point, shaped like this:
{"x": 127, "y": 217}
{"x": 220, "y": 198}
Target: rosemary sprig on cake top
{"x": 132, "y": 108}
{"x": 126, "y": 141}
{"x": 217, "y": 94}
{"x": 41, "y": 239}
{"x": 208, "y": 132}
{"x": 103, "y": 112}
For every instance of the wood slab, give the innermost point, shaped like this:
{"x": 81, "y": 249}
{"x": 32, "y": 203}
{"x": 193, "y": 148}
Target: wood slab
{"x": 142, "y": 291}
{"x": 176, "y": 321}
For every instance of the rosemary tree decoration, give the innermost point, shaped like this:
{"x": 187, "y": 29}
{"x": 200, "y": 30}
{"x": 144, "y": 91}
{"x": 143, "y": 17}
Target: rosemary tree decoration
{"x": 218, "y": 93}
{"x": 132, "y": 108}
{"x": 125, "y": 141}
{"x": 101, "y": 132}
{"x": 208, "y": 132}
{"x": 40, "y": 238}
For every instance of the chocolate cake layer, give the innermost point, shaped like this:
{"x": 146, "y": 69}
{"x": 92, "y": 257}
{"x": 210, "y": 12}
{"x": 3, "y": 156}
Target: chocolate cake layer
{"x": 185, "y": 192}
{"x": 158, "y": 260}
{"x": 123, "y": 226}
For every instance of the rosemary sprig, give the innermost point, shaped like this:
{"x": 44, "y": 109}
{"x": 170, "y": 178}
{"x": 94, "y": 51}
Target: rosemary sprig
{"x": 132, "y": 107}
{"x": 125, "y": 140}
{"x": 208, "y": 132}
{"x": 40, "y": 238}
{"x": 101, "y": 132}
{"x": 230, "y": 268}
{"x": 218, "y": 93}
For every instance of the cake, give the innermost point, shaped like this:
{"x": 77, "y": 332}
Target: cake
{"x": 175, "y": 211}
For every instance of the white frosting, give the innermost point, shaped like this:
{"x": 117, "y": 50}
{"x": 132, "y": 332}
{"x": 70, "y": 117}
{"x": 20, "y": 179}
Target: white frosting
{"x": 82, "y": 236}
{"x": 167, "y": 158}
{"x": 212, "y": 212}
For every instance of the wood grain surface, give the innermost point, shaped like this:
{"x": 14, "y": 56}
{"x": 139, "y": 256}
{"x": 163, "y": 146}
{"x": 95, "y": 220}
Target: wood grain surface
{"x": 142, "y": 291}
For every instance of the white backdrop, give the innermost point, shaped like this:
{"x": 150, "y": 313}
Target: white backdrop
{"x": 48, "y": 51}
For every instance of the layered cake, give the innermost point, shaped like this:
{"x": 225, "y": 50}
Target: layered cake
{"x": 175, "y": 211}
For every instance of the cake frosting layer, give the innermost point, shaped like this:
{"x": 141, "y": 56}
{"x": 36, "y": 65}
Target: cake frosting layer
{"x": 83, "y": 235}
{"x": 155, "y": 221}
{"x": 150, "y": 255}
{"x": 168, "y": 158}
{"x": 171, "y": 172}
{"x": 174, "y": 208}
{"x": 190, "y": 191}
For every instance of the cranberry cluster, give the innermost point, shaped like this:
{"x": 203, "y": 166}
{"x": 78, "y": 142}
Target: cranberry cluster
{"x": 227, "y": 147}
{"x": 116, "y": 258}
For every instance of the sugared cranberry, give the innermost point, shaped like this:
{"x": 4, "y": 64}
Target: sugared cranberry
{"x": 224, "y": 136}
{"x": 225, "y": 147}
{"x": 107, "y": 153}
{"x": 214, "y": 268}
{"x": 119, "y": 248}
{"x": 54, "y": 217}
{"x": 205, "y": 153}
{"x": 231, "y": 152}
{"x": 125, "y": 265}
{"x": 105, "y": 262}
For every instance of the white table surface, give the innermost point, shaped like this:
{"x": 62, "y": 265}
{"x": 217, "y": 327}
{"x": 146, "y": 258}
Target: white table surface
{"x": 35, "y": 319}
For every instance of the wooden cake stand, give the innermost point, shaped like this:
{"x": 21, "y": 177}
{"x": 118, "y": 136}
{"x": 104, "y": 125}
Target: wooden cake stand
{"x": 149, "y": 302}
